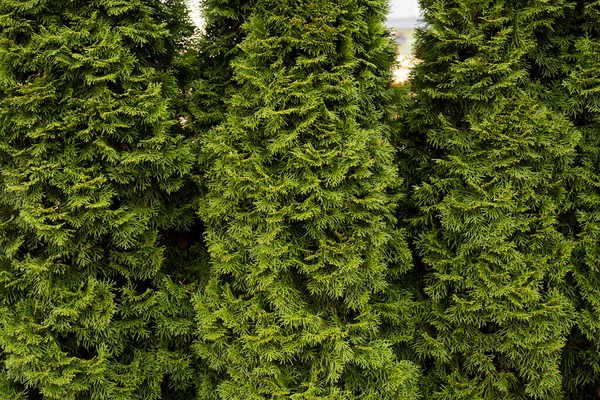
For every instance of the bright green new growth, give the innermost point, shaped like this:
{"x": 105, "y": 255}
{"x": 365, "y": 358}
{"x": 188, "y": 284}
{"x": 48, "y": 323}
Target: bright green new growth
{"x": 488, "y": 159}
{"x": 91, "y": 172}
{"x": 299, "y": 212}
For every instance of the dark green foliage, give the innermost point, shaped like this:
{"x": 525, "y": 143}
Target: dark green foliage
{"x": 92, "y": 184}
{"x": 487, "y": 160}
{"x": 217, "y": 47}
{"x": 300, "y": 213}
{"x": 581, "y": 102}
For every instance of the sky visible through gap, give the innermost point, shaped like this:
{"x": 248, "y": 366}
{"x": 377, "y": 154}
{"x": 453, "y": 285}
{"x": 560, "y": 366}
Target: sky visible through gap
{"x": 404, "y": 9}
{"x": 399, "y": 10}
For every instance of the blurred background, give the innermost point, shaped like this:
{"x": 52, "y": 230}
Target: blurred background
{"x": 403, "y": 18}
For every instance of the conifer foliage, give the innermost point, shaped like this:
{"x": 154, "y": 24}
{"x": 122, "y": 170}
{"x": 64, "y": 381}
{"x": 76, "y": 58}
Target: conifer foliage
{"x": 217, "y": 47}
{"x": 279, "y": 253}
{"x": 90, "y": 174}
{"x": 582, "y": 103}
{"x": 487, "y": 160}
{"x": 299, "y": 211}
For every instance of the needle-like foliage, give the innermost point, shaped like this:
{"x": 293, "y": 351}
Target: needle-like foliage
{"x": 487, "y": 160}
{"x": 92, "y": 171}
{"x": 578, "y": 90}
{"x": 302, "y": 190}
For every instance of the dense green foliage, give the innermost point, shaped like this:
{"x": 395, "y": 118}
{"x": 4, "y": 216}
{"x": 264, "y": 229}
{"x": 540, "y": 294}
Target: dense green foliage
{"x": 487, "y": 160}
{"x": 577, "y": 87}
{"x": 92, "y": 176}
{"x": 217, "y": 47}
{"x": 300, "y": 212}
{"x": 257, "y": 212}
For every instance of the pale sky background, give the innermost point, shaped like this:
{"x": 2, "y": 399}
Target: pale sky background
{"x": 398, "y": 9}
{"x": 404, "y": 9}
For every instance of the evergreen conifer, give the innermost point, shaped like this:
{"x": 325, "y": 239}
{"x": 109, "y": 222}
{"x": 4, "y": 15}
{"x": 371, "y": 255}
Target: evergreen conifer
{"x": 581, "y": 102}
{"x": 299, "y": 212}
{"x": 92, "y": 171}
{"x": 486, "y": 160}
{"x": 217, "y": 47}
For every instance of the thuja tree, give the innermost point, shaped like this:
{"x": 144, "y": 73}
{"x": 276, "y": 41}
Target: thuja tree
{"x": 487, "y": 160}
{"x": 299, "y": 213}
{"x": 580, "y": 89}
{"x": 91, "y": 177}
{"x": 216, "y": 48}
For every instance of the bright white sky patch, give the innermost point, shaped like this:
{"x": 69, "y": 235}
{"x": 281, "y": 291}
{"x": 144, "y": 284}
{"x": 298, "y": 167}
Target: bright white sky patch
{"x": 194, "y": 6}
{"x": 404, "y": 9}
{"x": 398, "y": 9}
